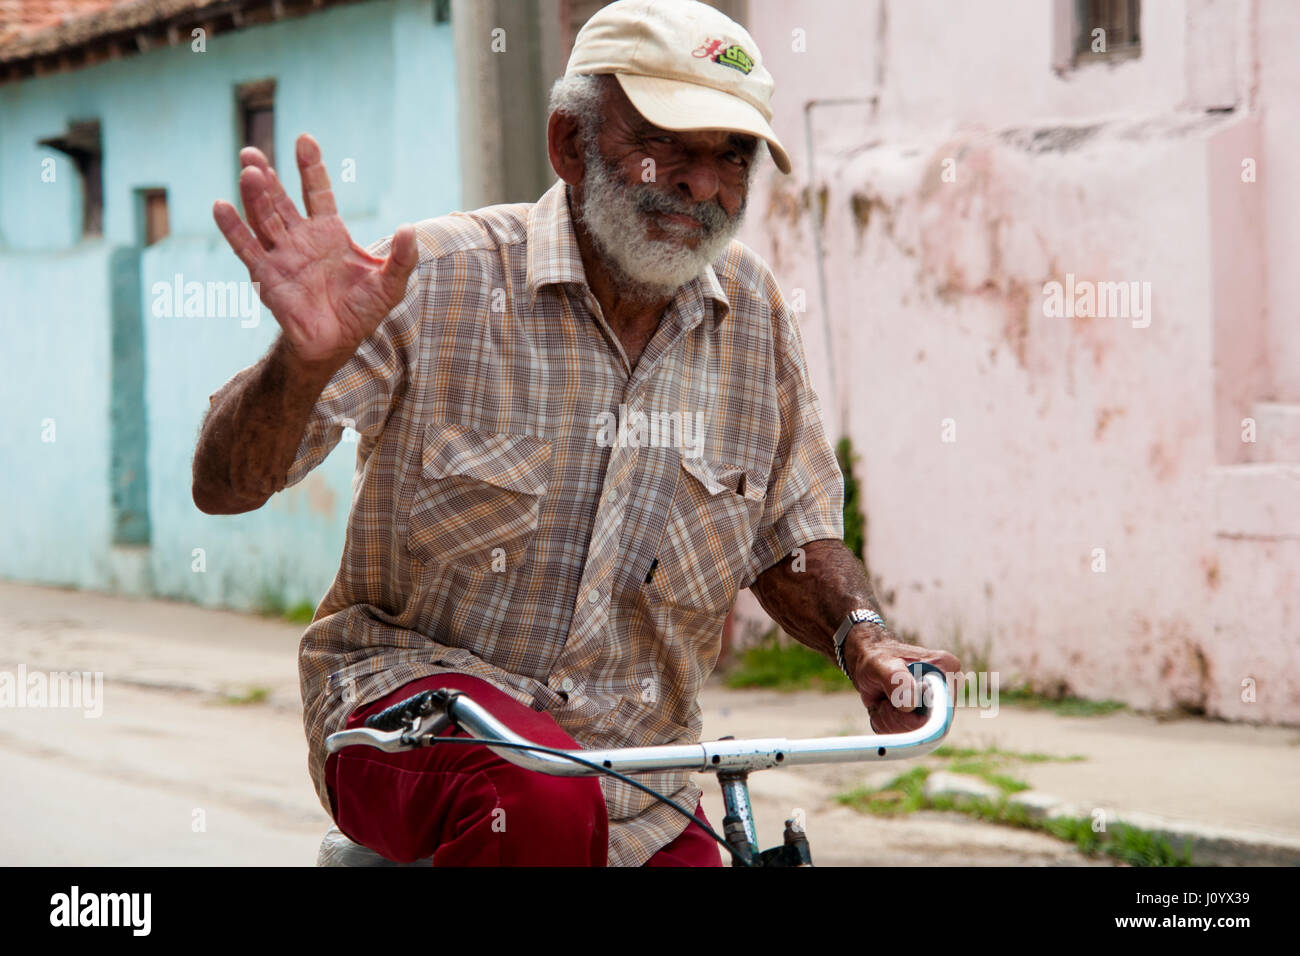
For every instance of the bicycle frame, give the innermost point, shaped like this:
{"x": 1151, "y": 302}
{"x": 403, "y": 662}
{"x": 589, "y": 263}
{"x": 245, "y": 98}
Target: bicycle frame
{"x": 422, "y": 718}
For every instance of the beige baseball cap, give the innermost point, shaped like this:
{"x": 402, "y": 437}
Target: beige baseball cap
{"x": 684, "y": 65}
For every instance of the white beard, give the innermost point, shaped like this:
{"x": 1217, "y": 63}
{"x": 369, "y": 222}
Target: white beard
{"x": 645, "y": 268}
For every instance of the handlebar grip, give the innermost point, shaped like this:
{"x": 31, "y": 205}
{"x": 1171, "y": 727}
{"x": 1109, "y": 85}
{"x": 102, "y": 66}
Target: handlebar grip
{"x": 400, "y": 714}
{"x": 918, "y": 670}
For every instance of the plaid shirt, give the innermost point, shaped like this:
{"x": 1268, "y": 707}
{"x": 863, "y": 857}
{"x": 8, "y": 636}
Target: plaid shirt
{"x": 529, "y": 510}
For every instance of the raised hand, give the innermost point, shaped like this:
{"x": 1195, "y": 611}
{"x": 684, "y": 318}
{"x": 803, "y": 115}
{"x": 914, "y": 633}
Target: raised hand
{"x": 326, "y": 292}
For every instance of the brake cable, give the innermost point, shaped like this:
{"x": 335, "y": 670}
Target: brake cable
{"x": 406, "y": 713}
{"x": 595, "y": 766}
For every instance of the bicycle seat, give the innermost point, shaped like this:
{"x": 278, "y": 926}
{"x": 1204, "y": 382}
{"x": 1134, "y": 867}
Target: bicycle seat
{"x": 338, "y": 850}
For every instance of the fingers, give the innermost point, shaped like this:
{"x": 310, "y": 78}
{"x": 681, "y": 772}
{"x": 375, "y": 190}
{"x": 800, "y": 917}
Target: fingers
{"x": 886, "y": 669}
{"x": 252, "y": 156}
{"x": 891, "y": 673}
{"x": 403, "y": 257}
{"x": 266, "y": 222}
{"x": 904, "y": 690}
{"x": 884, "y": 676}
{"x": 317, "y": 198}
{"x": 944, "y": 661}
{"x": 237, "y": 235}
{"x": 280, "y": 201}
{"x": 887, "y": 720}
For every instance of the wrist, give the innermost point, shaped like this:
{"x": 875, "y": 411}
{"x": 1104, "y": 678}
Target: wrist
{"x": 859, "y": 640}
{"x": 851, "y": 629}
{"x": 295, "y": 366}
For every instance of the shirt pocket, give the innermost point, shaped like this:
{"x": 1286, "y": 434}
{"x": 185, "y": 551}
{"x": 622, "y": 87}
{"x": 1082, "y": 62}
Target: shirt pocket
{"x": 478, "y": 499}
{"x": 704, "y": 553}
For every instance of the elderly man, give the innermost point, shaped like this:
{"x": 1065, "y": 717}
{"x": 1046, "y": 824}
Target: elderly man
{"x": 504, "y": 539}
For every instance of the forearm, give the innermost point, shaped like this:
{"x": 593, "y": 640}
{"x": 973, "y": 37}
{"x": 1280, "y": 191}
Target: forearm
{"x": 809, "y": 604}
{"x": 252, "y": 432}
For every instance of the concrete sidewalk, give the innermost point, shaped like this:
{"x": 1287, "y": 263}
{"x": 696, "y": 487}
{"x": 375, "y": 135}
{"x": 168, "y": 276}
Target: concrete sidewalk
{"x": 172, "y": 740}
{"x": 1231, "y": 789}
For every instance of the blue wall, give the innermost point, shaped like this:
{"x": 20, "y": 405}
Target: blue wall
{"x": 374, "y": 83}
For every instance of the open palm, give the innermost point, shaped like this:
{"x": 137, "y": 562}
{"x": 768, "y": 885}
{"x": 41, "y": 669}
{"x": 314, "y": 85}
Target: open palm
{"x": 326, "y": 292}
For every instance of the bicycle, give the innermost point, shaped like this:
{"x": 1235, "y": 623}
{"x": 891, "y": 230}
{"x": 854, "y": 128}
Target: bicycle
{"x": 416, "y": 722}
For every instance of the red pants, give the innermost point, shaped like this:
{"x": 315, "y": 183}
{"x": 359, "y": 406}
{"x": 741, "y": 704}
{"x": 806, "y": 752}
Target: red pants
{"x": 464, "y": 806}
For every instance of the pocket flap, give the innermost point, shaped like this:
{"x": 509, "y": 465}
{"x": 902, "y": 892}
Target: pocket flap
{"x": 515, "y": 462}
{"x": 722, "y": 478}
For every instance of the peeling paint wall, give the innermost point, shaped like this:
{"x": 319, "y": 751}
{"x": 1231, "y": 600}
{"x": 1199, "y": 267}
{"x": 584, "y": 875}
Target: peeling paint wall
{"x": 965, "y": 177}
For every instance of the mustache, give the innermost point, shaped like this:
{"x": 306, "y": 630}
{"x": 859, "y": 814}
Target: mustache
{"x": 647, "y": 199}
{"x": 710, "y": 215}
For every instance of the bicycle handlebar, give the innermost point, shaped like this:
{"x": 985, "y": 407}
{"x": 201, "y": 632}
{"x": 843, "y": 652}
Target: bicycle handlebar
{"x": 427, "y": 714}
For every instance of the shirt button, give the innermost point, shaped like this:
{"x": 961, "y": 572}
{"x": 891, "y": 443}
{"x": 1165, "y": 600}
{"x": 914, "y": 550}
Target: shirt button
{"x": 593, "y": 597}
{"x": 566, "y": 685}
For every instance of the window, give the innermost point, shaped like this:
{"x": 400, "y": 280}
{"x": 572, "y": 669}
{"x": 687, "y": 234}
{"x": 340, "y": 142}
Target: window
{"x": 153, "y": 216}
{"x": 1107, "y": 30}
{"x": 81, "y": 144}
{"x": 256, "y": 103}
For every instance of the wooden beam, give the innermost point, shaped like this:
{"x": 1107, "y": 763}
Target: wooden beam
{"x": 240, "y": 13}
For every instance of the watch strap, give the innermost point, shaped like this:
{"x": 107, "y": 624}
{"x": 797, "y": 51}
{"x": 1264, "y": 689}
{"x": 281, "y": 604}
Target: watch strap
{"x": 861, "y": 615}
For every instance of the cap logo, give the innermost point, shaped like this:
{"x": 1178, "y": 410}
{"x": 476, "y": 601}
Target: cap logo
{"x": 727, "y": 54}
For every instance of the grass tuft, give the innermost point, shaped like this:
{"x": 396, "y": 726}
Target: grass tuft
{"x": 906, "y": 794}
{"x": 254, "y": 695}
{"x": 274, "y": 604}
{"x": 301, "y": 613}
{"x": 946, "y": 750}
{"x": 1064, "y": 706}
{"x": 775, "y": 665}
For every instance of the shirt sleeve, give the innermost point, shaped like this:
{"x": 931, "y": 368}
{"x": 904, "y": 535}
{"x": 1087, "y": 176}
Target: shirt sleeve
{"x": 805, "y": 492}
{"x": 362, "y": 393}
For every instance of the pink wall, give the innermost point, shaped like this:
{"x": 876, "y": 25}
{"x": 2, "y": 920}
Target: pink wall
{"x": 1279, "y": 100}
{"x": 1071, "y": 433}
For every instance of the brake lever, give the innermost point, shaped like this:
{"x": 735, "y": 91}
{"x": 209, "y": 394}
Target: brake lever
{"x": 421, "y": 735}
{"x": 406, "y": 725}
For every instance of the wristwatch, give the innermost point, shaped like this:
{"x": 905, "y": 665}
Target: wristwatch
{"x": 862, "y": 615}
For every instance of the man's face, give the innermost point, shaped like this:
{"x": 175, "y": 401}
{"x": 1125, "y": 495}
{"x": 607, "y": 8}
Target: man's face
{"x": 661, "y": 205}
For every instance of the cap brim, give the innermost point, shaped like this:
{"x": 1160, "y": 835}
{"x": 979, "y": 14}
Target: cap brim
{"x": 677, "y": 105}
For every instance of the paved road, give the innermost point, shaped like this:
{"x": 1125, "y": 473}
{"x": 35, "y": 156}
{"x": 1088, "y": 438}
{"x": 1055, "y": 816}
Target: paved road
{"x": 172, "y": 772}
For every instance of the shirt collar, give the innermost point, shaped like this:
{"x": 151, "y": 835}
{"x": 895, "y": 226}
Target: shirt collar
{"x": 553, "y": 258}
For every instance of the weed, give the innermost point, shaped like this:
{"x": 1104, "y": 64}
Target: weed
{"x": 254, "y": 695}
{"x": 787, "y": 666}
{"x": 945, "y": 750}
{"x": 1062, "y": 705}
{"x": 301, "y": 613}
{"x": 855, "y": 522}
{"x": 1128, "y": 844}
{"x": 274, "y": 604}
{"x": 904, "y": 794}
